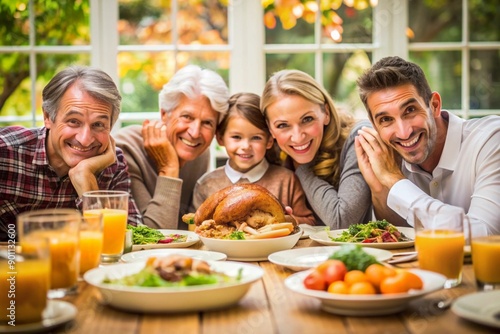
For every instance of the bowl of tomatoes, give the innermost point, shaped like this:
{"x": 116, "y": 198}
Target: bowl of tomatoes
{"x": 363, "y": 289}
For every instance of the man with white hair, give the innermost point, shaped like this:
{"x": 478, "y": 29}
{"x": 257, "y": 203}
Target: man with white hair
{"x": 166, "y": 157}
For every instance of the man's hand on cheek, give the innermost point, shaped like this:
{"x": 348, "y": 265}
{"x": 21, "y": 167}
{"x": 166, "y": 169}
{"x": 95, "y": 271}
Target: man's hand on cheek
{"x": 83, "y": 175}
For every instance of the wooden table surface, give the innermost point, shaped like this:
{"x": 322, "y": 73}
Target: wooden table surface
{"x": 269, "y": 307}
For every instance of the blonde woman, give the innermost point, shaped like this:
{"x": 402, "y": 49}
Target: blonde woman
{"x": 318, "y": 142}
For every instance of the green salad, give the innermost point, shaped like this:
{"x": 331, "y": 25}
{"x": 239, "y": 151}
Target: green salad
{"x": 371, "y": 232}
{"x": 174, "y": 271}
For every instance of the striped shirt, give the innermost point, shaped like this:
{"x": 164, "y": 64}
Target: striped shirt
{"x": 28, "y": 182}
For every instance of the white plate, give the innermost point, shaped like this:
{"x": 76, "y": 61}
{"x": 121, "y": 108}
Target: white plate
{"x": 323, "y": 238}
{"x": 194, "y": 253}
{"x": 366, "y": 305}
{"x": 56, "y": 313}
{"x": 192, "y": 238}
{"x": 479, "y": 307}
{"x": 309, "y": 229}
{"x": 173, "y": 299}
{"x": 306, "y": 258}
{"x": 251, "y": 250}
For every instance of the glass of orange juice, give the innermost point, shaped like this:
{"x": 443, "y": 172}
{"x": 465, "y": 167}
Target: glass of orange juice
{"x": 113, "y": 205}
{"x": 90, "y": 241}
{"x": 24, "y": 281}
{"x": 486, "y": 261}
{"x": 61, "y": 227}
{"x": 440, "y": 238}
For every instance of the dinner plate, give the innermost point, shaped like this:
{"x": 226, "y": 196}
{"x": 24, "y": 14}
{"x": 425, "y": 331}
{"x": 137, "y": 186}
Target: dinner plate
{"x": 366, "y": 305}
{"x": 480, "y": 307}
{"x": 306, "y": 258}
{"x": 56, "y": 313}
{"x": 194, "y": 253}
{"x": 173, "y": 299}
{"x": 323, "y": 237}
{"x": 309, "y": 229}
{"x": 192, "y": 238}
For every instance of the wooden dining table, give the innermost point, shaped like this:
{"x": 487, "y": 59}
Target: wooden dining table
{"x": 270, "y": 307}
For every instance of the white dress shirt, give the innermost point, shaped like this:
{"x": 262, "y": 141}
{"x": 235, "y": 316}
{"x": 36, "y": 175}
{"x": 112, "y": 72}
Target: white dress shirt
{"x": 253, "y": 175}
{"x": 467, "y": 175}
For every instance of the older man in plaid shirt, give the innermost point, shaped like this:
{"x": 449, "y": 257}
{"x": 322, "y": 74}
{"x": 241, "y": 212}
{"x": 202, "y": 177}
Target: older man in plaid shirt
{"x": 52, "y": 166}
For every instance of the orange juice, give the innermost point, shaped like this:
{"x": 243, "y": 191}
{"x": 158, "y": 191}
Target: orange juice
{"x": 486, "y": 259}
{"x": 115, "y": 224}
{"x": 90, "y": 250}
{"x": 441, "y": 251}
{"x": 23, "y": 290}
{"x": 64, "y": 255}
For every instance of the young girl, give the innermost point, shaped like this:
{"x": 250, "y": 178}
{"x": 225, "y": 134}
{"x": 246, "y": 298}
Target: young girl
{"x": 244, "y": 134}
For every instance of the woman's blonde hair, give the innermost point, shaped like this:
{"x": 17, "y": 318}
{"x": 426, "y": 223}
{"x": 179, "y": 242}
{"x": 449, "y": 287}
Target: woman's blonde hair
{"x": 326, "y": 164}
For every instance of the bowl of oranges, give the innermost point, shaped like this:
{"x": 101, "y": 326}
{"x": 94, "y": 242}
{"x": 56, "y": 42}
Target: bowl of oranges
{"x": 368, "y": 289}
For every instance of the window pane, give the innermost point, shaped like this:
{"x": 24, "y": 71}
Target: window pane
{"x": 14, "y": 29}
{"x": 484, "y": 21}
{"x": 150, "y": 22}
{"x": 202, "y": 22}
{"x": 62, "y": 22}
{"x": 216, "y": 61}
{"x": 348, "y": 24}
{"x": 485, "y": 79}
{"x": 301, "y": 33}
{"x": 293, "y": 22}
{"x": 299, "y": 61}
{"x": 435, "y": 21}
{"x": 341, "y": 71}
{"x": 143, "y": 74}
{"x": 14, "y": 77}
{"x": 15, "y": 99}
{"x": 443, "y": 72}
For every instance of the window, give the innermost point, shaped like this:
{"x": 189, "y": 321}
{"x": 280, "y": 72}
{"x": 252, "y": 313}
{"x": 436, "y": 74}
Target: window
{"x": 142, "y": 43}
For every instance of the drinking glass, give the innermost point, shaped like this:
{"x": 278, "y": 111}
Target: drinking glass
{"x": 440, "y": 238}
{"x": 61, "y": 227}
{"x": 486, "y": 261}
{"x": 90, "y": 241}
{"x": 113, "y": 205}
{"x": 24, "y": 281}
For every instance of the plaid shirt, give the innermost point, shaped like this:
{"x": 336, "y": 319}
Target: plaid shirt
{"x": 28, "y": 182}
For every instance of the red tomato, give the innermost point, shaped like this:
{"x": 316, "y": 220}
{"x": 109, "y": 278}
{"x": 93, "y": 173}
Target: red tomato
{"x": 332, "y": 270}
{"x": 315, "y": 281}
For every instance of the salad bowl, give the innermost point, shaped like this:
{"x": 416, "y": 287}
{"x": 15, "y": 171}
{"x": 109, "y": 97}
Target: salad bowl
{"x": 173, "y": 299}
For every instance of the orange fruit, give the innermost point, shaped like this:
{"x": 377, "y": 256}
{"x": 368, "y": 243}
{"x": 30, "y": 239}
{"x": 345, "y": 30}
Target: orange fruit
{"x": 401, "y": 282}
{"x": 355, "y": 276}
{"x": 362, "y": 288}
{"x": 377, "y": 272}
{"x": 338, "y": 287}
{"x": 414, "y": 282}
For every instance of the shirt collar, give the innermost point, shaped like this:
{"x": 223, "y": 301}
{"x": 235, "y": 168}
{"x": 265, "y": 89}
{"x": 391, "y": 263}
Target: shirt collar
{"x": 40, "y": 156}
{"x": 253, "y": 175}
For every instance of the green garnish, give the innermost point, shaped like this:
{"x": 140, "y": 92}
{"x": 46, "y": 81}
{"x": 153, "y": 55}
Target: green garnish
{"x": 354, "y": 257}
{"x": 143, "y": 234}
{"x": 237, "y": 235}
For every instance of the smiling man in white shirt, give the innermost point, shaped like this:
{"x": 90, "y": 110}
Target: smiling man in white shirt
{"x": 446, "y": 161}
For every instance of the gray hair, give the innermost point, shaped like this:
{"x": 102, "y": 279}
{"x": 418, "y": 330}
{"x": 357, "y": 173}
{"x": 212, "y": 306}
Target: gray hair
{"x": 93, "y": 81}
{"x": 192, "y": 82}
